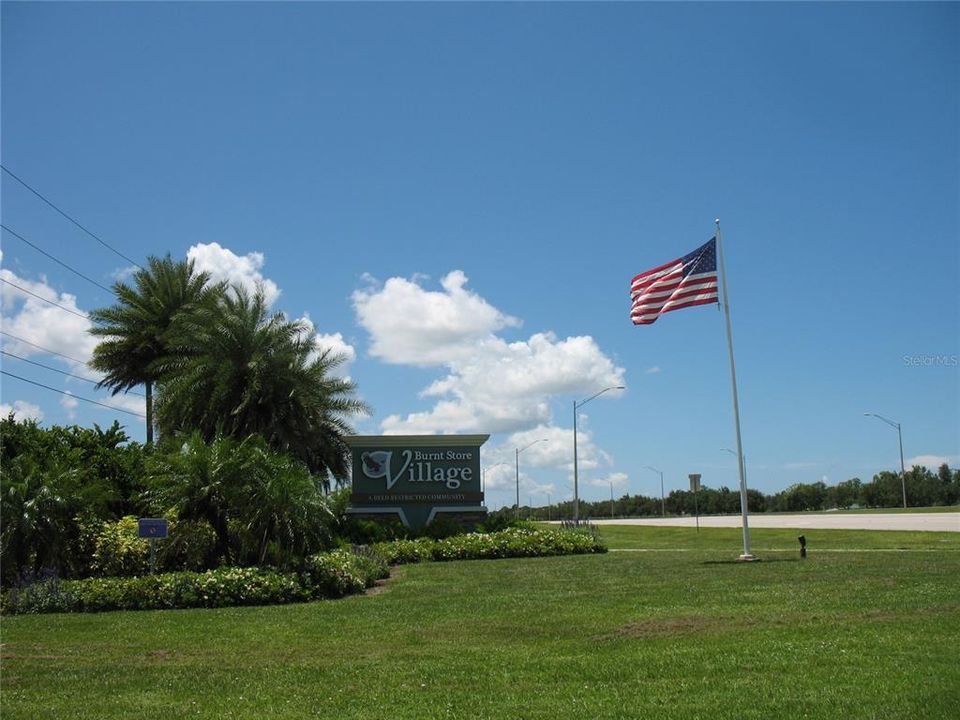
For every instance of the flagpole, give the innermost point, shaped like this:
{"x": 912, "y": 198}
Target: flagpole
{"x": 736, "y": 403}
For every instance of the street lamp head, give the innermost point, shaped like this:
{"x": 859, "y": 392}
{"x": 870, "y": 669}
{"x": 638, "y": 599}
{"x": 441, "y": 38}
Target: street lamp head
{"x": 520, "y": 450}
{"x": 888, "y": 421}
{"x": 597, "y": 394}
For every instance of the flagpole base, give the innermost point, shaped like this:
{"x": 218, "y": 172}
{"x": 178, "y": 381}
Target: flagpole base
{"x": 747, "y": 558}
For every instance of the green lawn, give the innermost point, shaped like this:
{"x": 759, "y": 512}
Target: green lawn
{"x": 868, "y": 626}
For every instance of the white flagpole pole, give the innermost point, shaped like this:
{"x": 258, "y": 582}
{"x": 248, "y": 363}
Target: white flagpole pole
{"x": 736, "y": 403}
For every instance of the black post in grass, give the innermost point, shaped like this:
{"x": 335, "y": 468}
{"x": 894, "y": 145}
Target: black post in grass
{"x": 695, "y": 489}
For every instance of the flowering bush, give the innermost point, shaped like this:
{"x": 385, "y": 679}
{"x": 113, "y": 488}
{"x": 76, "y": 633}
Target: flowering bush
{"x": 513, "y": 542}
{"x": 327, "y": 575}
{"x": 119, "y": 550}
{"x": 516, "y": 542}
{"x": 400, "y": 552}
{"x": 116, "y": 549}
{"x": 339, "y": 573}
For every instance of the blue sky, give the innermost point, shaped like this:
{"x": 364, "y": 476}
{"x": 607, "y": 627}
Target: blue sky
{"x": 457, "y": 196}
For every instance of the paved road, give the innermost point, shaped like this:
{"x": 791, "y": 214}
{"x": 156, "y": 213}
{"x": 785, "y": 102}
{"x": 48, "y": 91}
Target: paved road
{"x": 944, "y": 522}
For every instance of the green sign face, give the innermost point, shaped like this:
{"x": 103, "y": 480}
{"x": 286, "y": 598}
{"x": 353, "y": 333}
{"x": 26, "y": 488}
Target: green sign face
{"x": 416, "y": 477}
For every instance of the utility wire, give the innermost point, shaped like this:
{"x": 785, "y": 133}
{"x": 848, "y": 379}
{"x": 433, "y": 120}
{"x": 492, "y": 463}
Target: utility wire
{"x": 62, "y": 372}
{"x": 59, "y": 262}
{"x": 94, "y": 236}
{"x": 38, "y": 347}
{"x": 62, "y": 392}
{"x": 40, "y": 297}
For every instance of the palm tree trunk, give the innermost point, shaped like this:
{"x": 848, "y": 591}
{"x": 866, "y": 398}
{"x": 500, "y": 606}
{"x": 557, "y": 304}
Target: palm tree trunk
{"x": 149, "y": 393}
{"x": 263, "y": 545}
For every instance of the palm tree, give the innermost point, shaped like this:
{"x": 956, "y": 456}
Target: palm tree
{"x": 284, "y": 512}
{"x": 38, "y": 501}
{"x": 235, "y": 370}
{"x": 135, "y": 328}
{"x": 260, "y": 504}
{"x": 200, "y": 482}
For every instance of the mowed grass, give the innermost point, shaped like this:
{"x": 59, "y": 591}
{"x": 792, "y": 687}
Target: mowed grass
{"x": 869, "y": 628}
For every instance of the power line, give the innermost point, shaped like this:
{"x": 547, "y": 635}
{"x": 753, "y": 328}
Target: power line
{"x": 40, "y": 297}
{"x": 62, "y": 372}
{"x": 77, "y": 397}
{"x": 39, "y": 347}
{"x": 59, "y": 262}
{"x": 88, "y": 232}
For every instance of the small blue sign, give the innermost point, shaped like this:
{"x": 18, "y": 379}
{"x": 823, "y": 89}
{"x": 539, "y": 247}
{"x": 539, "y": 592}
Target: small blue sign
{"x": 153, "y": 528}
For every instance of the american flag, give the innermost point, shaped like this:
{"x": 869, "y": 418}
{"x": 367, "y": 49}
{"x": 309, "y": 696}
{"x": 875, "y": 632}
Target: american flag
{"x": 691, "y": 280}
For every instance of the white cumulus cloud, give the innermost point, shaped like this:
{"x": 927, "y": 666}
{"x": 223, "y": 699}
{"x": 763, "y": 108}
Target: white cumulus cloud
{"x": 41, "y": 325}
{"x": 333, "y": 343}
{"x": 22, "y": 410}
{"x": 542, "y": 448}
{"x": 121, "y": 401}
{"x": 933, "y": 461}
{"x": 243, "y": 270}
{"x": 490, "y": 385}
{"x": 619, "y": 481}
{"x": 412, "y": 326}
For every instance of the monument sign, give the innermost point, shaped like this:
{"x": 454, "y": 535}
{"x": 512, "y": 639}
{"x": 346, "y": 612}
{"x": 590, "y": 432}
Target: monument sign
{"x": 417, "y": 478}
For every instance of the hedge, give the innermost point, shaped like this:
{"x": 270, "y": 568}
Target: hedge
{"x": 510, "y": 543}
{"x": 326, "y": 575}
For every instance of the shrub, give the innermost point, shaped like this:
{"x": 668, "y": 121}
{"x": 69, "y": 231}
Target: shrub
{"x": 514, "y": 542}
{"x": 216, "y": 588}
{"x": 400, "y": 552}
{"x": 192, "y": 545}
{"x": 118, "y": 550}
{"x": 495, "y": 522}
{"x": 442, "y": 527}
{"x": 327, "y": 575}
{"x": 53, "y": 595}
{"x": 363, "y": 531}
{"x": 371, "y": 564}
{"x": 342, "y": 572}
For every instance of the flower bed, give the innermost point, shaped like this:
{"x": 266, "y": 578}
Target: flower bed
{"x": 326, "y": 575}
{"x": 510, "y": 543}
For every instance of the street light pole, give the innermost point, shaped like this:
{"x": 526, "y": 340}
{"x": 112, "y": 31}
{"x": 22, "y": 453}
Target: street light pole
{"x": 663, "y": 504}
{"x": 903, "y": 472}
{"x": 520, "y": 450}
{"x": 517, "y": 512}
{"x": 576, "y": 490}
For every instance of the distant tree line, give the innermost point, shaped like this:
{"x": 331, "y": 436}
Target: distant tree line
{"x": 924, "y": 489}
